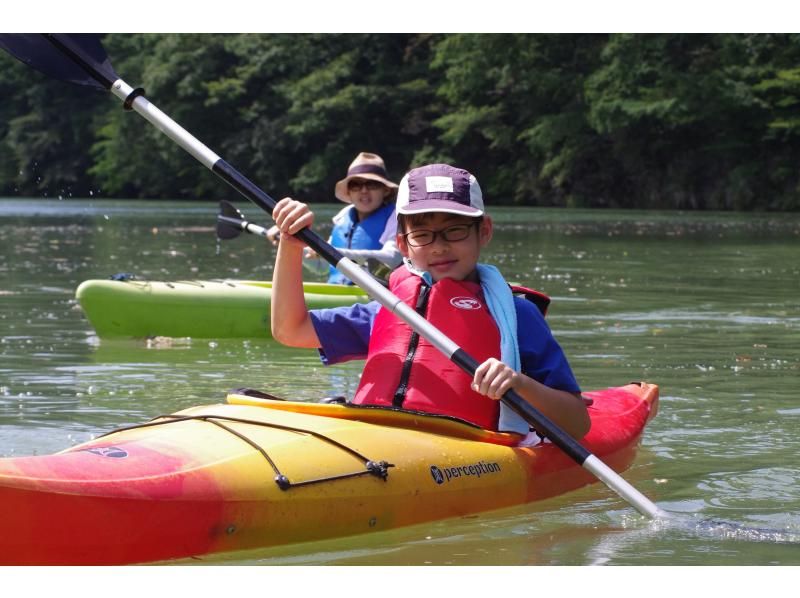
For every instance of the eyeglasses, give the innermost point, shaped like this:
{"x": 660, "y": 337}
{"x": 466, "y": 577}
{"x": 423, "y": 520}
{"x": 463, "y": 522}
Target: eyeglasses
{"x": 451, "y": 234}
{"x": 354, "y": 185}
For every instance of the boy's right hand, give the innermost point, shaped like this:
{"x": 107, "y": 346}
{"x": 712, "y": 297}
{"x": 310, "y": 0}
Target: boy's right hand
{"x": 290, "y": 217}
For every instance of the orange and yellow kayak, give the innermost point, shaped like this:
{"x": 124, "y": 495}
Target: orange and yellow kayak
{"x": 257, "y": 472}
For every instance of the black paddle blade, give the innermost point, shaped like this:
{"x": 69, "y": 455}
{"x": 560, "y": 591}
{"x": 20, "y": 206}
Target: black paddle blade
{"x": 226, "y": 208}
{"x": 226, "y": 229}
{"x": 73, "y": 57}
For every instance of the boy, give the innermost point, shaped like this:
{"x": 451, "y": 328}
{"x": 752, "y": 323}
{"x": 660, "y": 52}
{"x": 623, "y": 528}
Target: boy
{"x": 441, "y": 231}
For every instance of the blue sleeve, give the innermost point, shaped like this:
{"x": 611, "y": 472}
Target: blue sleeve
{"x": 344, "y": 332}
{"x": 541, "y": 355}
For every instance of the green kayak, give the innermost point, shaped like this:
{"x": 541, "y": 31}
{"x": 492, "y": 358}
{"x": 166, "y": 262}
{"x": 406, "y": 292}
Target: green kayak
{"x": 194, "y": 308}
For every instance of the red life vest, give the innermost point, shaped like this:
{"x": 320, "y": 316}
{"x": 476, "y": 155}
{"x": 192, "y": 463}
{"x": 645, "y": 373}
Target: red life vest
{"x": 406, "y": 371}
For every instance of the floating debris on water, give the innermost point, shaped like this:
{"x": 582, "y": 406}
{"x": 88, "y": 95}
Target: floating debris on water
{"x": 165, "y": 342}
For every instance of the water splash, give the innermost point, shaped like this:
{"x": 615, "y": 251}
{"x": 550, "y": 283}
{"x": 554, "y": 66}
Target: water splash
{"x": 635, "y": 529}
{"x": 730, "y": 530}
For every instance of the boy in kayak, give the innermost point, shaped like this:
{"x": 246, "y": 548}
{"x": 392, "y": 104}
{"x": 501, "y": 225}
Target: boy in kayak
{"x": 366, "y": 228}
{"x": 442, "y": 229}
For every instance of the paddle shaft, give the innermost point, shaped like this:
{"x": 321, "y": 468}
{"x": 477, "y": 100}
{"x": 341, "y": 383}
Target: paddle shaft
{"x": 135, "y": 100}
{"x": 253, "y": 229}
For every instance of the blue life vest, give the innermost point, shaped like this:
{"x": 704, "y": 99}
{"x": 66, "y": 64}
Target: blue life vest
{"x": 350, "y": 233}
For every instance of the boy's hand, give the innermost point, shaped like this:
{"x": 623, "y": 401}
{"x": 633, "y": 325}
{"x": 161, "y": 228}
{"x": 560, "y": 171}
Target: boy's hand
{"x": 291, "y": 216}
{"x": 493, "y": 378}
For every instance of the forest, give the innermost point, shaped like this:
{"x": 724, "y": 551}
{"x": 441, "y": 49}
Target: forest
{"x": 647, "y": 121}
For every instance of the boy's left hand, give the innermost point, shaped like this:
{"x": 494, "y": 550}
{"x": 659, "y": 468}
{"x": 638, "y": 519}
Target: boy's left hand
{"x": 493, "y": 378}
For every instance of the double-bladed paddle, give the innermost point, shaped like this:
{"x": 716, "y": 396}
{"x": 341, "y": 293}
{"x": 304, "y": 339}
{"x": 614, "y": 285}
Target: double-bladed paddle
{"x": 81, "y": 59}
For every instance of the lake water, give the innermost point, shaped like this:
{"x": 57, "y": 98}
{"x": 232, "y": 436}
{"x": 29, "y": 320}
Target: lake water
{"x": 705, "y": 305}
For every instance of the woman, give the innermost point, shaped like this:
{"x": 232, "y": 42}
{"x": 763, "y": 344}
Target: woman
{"x": 366, "y": 228}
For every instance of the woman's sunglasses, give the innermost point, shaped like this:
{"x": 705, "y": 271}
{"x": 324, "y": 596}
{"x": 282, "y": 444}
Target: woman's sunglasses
{"x": 356, "y": 185}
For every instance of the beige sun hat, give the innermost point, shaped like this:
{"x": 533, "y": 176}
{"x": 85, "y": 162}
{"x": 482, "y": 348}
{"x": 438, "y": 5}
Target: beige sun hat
{"x": 365, "y": 166}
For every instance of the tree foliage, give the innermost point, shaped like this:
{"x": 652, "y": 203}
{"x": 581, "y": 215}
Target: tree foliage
{"x": 650, "y": 121}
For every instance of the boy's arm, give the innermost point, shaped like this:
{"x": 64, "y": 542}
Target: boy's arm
{"x": 289, "y": 320}
{"x": 566, "y": 409}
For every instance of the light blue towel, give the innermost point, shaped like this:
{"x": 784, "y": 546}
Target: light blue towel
{"x": 500, "y": 302}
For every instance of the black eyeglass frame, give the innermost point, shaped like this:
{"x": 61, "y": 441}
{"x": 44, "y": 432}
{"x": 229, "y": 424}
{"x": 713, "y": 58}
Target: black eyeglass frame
{"x": 443, "y": 232}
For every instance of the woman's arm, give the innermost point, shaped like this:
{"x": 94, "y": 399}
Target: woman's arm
{"x": 389, "y": 254}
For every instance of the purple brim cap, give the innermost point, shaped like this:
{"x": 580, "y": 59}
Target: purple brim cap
{"x": 439, "y": 188}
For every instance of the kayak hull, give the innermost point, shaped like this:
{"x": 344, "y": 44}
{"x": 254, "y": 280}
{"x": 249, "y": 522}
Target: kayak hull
{"x": 194, "y": 308}
{"x": 256, "y": 473}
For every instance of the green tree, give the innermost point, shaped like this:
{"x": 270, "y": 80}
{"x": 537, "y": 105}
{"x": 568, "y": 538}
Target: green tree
{"x": 42, "y": 122}
{"x": 340, "y": 95}
{"x": 685, "y": 124}
{"x": 132, "y": 158}
{"x": 515, "y": 112}
{"x": 623, "y": 120}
